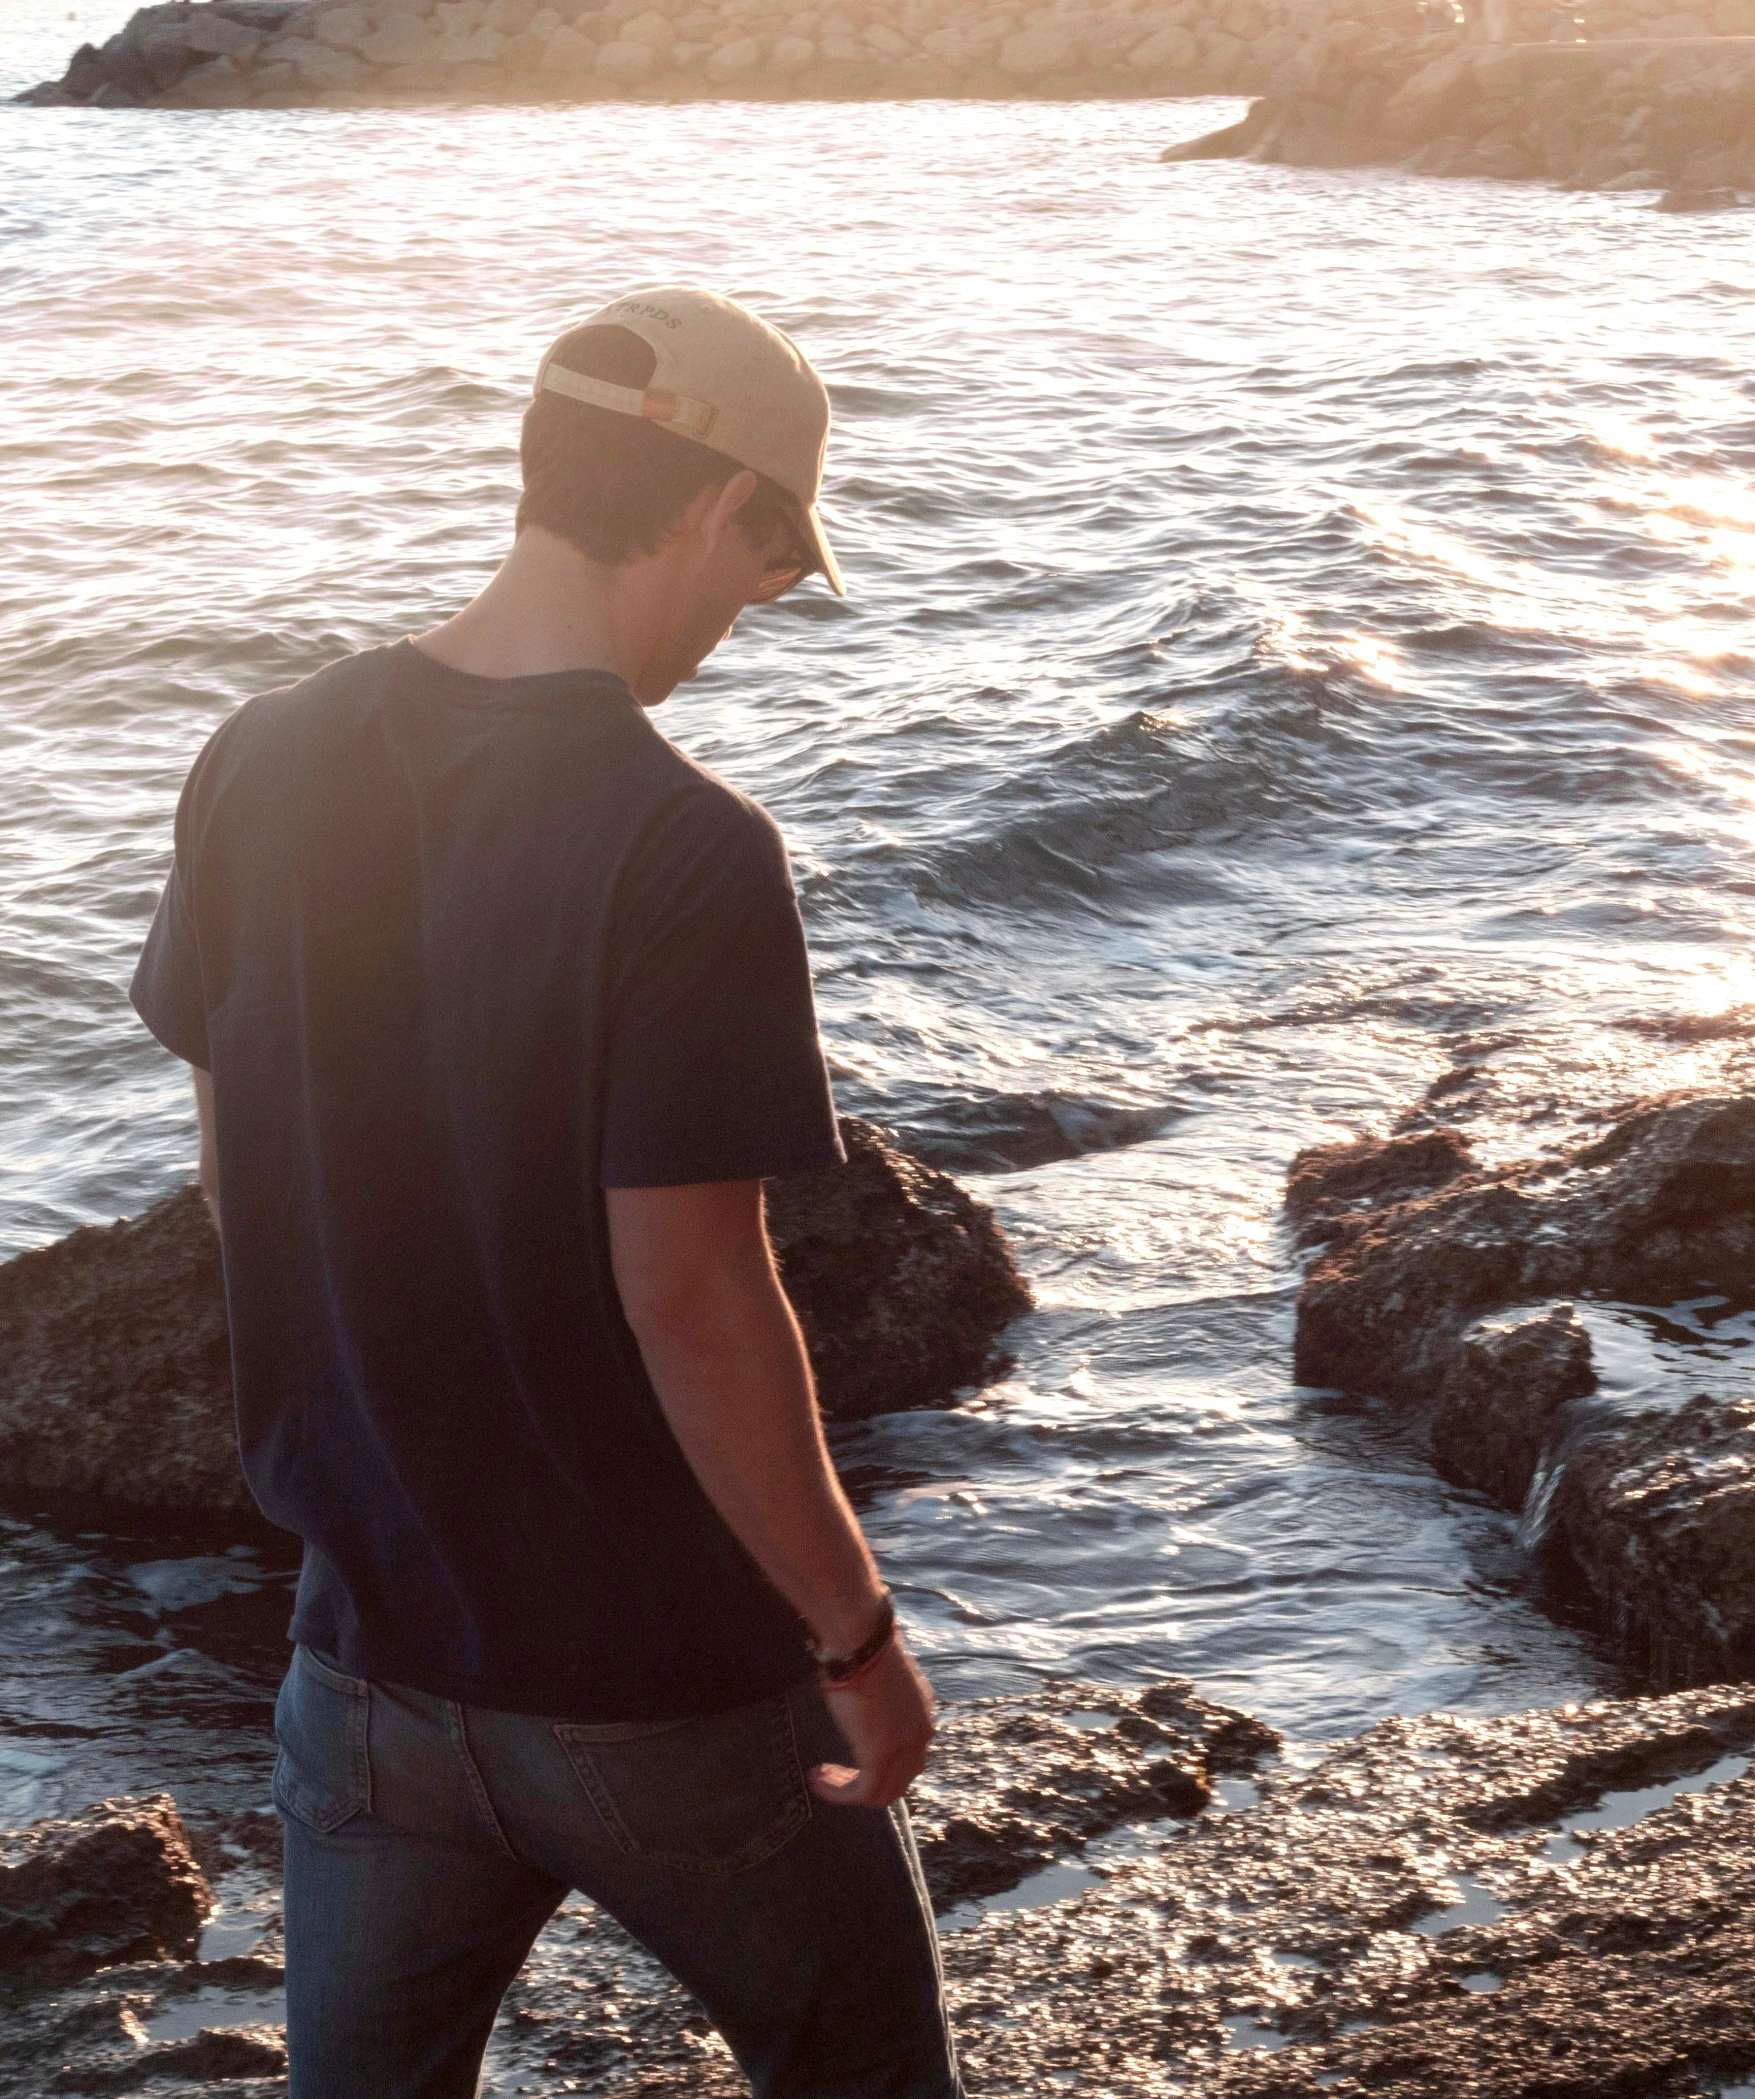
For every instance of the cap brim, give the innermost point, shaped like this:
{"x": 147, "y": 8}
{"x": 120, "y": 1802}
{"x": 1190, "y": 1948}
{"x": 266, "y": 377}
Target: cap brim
{"x": 818, "y": 542}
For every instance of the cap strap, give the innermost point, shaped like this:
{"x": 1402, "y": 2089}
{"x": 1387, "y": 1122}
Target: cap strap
{"x": 675, "y": 411}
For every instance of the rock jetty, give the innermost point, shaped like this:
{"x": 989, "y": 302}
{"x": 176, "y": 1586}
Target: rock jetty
{"x": 1550, "y": 1905}
{"x": 115, "y": 1367}
{"x": 1659, "y": 96}
{"x": 1653, "y": 102}
{"x": 220, "y": 53}
{"x": 1458, "y": 1293}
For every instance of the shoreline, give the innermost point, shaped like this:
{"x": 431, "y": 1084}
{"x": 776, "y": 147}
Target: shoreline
{"x": 1137, "y": 1891}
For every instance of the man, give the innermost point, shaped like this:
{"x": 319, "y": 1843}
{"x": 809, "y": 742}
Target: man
{"x": 500, "y": 1013}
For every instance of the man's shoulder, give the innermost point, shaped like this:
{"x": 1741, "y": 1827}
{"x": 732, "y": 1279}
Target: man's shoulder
{"x": 693, "y": 801}
{"x": 284, "y": 714}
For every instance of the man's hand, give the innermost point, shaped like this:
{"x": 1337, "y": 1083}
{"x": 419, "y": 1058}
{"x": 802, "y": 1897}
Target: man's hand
{"x": 886, "y": 1717}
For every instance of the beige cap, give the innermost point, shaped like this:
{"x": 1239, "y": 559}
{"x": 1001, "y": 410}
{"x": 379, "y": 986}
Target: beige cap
{"x": 727, "y": 380}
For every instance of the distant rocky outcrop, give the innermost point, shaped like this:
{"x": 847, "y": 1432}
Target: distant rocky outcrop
{"x": 1547, "y": 1905}
{"x": 1651, "y": 103}
{"x": 1451, "y": 1290}
{"x": 115, "y": 1366}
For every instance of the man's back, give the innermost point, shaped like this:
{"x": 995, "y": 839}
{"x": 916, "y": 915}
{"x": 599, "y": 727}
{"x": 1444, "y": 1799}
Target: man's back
{"x": 460, "y": 953}
{"x": 501, "y": 1015}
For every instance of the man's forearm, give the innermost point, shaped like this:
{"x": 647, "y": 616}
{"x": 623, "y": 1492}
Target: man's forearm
{"x": 728, "y": 1364}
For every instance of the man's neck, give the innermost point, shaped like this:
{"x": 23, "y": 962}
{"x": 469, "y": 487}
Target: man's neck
{"x": 547, "y": 609}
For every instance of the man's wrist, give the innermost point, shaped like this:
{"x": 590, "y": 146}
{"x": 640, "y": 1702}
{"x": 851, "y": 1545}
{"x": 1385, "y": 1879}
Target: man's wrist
{"x": 856, "y": 1640}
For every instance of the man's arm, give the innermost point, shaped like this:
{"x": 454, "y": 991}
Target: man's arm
{"x": 726, "y": 1359}
{"x": 207, "y": 1172}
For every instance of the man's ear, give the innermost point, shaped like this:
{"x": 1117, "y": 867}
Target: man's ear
{"x": 728, "y": 501}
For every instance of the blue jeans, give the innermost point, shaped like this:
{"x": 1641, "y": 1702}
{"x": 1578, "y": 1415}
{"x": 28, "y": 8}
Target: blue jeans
{"x": 427, "y": 1843}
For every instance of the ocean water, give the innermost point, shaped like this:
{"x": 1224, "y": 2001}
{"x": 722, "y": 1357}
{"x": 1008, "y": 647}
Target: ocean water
{"x": 1300, "y": 650}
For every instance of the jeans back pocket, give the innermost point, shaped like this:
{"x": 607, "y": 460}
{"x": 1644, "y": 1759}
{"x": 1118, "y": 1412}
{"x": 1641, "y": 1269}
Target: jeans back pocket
{"x": 711, "y": 1796}
{"x": 322, "y": 1769}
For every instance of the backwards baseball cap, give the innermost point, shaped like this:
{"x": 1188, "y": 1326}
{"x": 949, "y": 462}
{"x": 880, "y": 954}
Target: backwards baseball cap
{"x": 726, "y": 380}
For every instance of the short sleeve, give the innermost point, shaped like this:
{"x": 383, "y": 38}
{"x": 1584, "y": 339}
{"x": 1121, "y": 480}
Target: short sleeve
{"x": 713, "y": 1069}
{"x": 167, "y": 990}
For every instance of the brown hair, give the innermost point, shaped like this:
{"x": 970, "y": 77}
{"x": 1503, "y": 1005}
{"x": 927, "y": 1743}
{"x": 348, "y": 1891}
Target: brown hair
{"x": 614, "y": 485}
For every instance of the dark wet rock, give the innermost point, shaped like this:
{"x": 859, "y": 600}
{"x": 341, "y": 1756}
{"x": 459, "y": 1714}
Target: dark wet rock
{"x": 220, "y": 2056}
{"x": 1334, "y": 1181}
{"x": 1017, "y": 1783}
{"x": 85, "y": 74}
{"x": 117, "y": 1883}
{"x": 1496, "y": 1405}
{"x": 1700, "y": 200}
{"x": 901, "y": 1281}
{"x": 1661, "y": 1205}
{"x": 1655, "y": 1509}
{"x": 115, "y": 1367}
{"x": 1658, "y": 1514}
{"x": 1314, "y": 1923}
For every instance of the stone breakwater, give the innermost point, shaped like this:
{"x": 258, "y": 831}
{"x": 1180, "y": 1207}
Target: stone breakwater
{"x": 1672, "y": 110}
{"x": 115, "y": 1364}
{"x": 223, "y": 52}
{"x": 1332, "y": 62}
{"x": 1549, "y": 1905}
{"x": 1464, "y": 1296}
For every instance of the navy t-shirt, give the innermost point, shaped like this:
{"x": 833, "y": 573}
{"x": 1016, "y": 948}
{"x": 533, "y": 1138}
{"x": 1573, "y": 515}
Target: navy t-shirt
{"x": 460, "y": 953}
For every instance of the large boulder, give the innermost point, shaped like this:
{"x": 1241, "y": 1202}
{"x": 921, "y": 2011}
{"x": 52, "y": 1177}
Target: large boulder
{"x": 158, "y": 48}
{"x": 1033, "y": 54}
{"x": 115, "y": 1365}
{"x": 117, "y": 1883}
{"x": 901, "y": 1281}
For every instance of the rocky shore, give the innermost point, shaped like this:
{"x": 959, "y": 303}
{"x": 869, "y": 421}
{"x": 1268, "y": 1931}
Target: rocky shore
{"x": 115, "y": 1368}
{"x": 1138, "y": 1896}
{"x": 1672, "y": 111}
{"x": 1478, "y": 1301}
